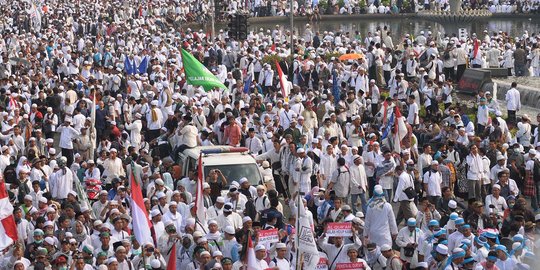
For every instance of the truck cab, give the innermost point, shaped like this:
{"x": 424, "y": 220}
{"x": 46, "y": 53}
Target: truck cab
{"x": 233, "y": 162}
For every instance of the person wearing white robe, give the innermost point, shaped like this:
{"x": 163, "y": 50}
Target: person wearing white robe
{"x": 61, "y": 182}
{"x": 305, "y": 170}
{"x": 380, "y": 224}
{"x": 173, "y": 216}
{"x": 135, "y": 128}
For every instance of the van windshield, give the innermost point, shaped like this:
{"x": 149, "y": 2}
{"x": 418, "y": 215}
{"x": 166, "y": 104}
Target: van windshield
{"x": 233, "y": 172}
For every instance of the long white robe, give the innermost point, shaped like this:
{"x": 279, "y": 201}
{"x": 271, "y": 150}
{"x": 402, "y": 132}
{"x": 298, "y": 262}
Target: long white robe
{"x": 380, "y": 224}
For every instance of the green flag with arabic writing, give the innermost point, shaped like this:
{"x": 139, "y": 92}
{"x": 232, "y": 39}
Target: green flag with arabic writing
{"x": 197, "y": 74}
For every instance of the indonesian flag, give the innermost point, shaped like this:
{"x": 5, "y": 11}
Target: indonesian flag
{"x": 285, "y": 87}
{"x": 385, "y": 111}
{"x": 250, "y": 256}
{"x": 171, "y": 264}
{"x": 141, "y": 223}
{"x": 476, "y": 46}
{"x": 199, "y": 204}
{"x": 400, "y": 130}
{"x": 13, "y": 103}
{"x": 8, "y": 229}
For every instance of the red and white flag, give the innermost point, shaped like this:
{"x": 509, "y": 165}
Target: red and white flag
{"x": 199, "y": 196}
{"x": 250, "y": 256}
{"x": 141, "y": 223}
{"x": 400, "y": 130}
{"x": 171, "y": 264}
{"x": 285, "y": 85}
{"x": 8, "y": 229}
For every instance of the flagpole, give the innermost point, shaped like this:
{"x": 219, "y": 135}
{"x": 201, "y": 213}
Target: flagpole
{"x": 291, "y": 69}
{"x": 92, "y": 128}
{"x": 298, "y": 266}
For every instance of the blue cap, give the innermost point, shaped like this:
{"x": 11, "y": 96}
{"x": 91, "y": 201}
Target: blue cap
{"x": 439, "y": 232}
{"x": 460, "y": 221}
{"x": 489, "y": 234}
{"x": 465, "y": 243}
{"x": 500, "y": 247}
{"x": 454, "y": 216}
{"x": 433, "y": 222}
{"x": 480, "y": 240}
{"x": 518, "y": 238}
{"x": 468, "y": 260}
{"x": 411, "y": 222}
{"x": 458, "y": 253}
{"x": 466, "y": 226}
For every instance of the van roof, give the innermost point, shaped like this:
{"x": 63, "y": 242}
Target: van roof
{"x": 218, "y": 158}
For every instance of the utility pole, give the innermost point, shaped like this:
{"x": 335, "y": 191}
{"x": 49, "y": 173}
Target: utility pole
{"x": 291, "y": 67}
{"x": 292, "y": 29}
{"x": 213, "y": 19}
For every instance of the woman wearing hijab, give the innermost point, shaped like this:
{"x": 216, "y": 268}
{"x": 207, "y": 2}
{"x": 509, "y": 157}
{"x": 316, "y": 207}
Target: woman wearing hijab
{"x": 79, "y": 232}
{"x": 23, "y": 164}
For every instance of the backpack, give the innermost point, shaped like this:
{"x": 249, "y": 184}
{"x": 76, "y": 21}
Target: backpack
{"x": 403, "y": 263}
{"x": 394, "y": 61}
{"x": 536, "y": 170}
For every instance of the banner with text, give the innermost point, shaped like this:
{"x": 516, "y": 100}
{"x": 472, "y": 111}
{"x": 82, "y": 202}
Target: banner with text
{"x": 339, "y": 229}
{"x": 268, "y": 236}
{"x": 349, "y": 266}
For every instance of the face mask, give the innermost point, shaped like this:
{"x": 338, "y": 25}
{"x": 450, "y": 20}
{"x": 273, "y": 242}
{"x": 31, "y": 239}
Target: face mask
{"x": 38, "y": 242}
{"x": 63, "y": 267}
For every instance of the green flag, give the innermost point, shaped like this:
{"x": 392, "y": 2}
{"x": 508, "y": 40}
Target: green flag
{"x": 197, "y": 74}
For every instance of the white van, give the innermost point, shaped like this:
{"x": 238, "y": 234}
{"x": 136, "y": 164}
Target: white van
{"x": 233, "y": 162}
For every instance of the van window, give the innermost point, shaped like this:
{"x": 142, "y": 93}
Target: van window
{"x": 191, "y": 165}
{"x": 233, "y": 172}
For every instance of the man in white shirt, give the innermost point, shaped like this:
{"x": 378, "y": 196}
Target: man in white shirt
{"x": 113, "y": 166}
{"x": 405, "y": 181}
{"x": 328, "y": 165}
{"x": 188, "y": 135}
{"x": 158, "y": 225}
{"x": 155, "y": 121}
{"x": 280, "y": 261}
{"x": 338, "y": 250}
{"x": 498, "y": 202}
{"x": 174, "y": 216}
{"x": 217, "y": 209}
{"x": 61, "y": 182}
{"x": 475, "y": 173}
{"x": 408, "y": 238}
{"x": 229, "y": 218}
{"x": 412, "y": 117}
{"x": 260, "y": 254}
{"x": 432, "y": 182}
{"x": 135, "y": 128}
{"x": 253, "y": 143}
{"x": 424, "y": 160}
{"x": 67, "y": 135}
{"x": 286, "y": 116}
{"x": 358, "y": 183}
{"x": 513, "y": 102}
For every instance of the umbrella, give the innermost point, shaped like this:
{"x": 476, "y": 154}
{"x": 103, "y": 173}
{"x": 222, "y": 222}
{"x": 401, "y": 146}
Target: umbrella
{"x": 351, "y": 56}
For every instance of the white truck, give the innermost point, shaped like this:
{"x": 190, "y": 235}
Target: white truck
{"x": 233, "y": 162}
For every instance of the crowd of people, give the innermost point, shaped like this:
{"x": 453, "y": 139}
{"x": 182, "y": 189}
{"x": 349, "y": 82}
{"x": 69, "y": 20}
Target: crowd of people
{"x": 364, "y": 129}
